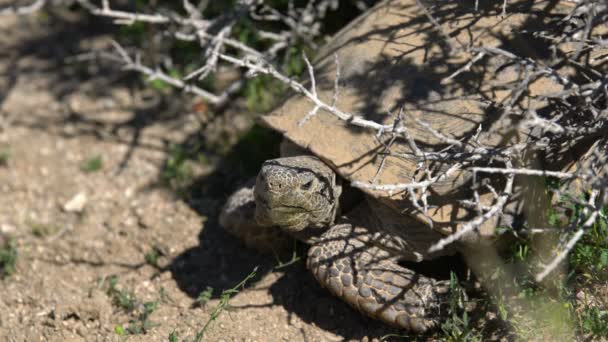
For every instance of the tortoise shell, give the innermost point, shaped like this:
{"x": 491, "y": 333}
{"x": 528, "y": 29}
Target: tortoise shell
{"x": 402, "y": 54}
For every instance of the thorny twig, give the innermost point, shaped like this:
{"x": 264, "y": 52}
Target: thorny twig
{"x": 23, "y": 10}
{"x": 575, "y": 238}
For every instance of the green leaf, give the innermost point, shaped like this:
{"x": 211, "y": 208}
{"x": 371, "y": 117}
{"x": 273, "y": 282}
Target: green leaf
{"x": 604, "y": 258}
{"x": 119, "y": 330}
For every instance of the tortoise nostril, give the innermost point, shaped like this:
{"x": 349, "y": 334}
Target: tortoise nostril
{"x": 274, "y": 185}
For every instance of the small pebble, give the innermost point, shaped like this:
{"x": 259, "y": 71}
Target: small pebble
{"x": 76, "y": 204}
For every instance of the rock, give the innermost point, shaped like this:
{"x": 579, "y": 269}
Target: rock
{"x": 76, "y": 204}
{"x": 6, "y": 228}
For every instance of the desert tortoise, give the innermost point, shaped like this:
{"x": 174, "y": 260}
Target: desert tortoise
{"x": 394, "y": 56}
{"x": 301, "y": 195}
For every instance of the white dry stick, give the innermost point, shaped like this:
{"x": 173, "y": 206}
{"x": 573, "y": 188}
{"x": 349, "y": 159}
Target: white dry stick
{"x": 191, "y": 9}
{"x": 562, "y": 255}
{"x": 203, "y": 35}
{"x": 475, "y": 205}
{"x": 410, "y": 141}
{"x": 352, "y": 119}
{"x": 451, "y": 141}
{"x": 438, "y": 134}
{"x": 573, "y": 240}
{"x": 128, "y": 18}
{"x": 301, "y": 22}
{"x": 211, "y": 62}
{"x": 533, "y": 120}
{"x": 422, "y": 209}
{"x": 23, "y": 10}
{"x": 392, "y": 188}
{"x": 313, "y": 91}
{"x": 130, "y": 64}
{"x": 334, "y": 99}
{"x": 523, "y": 171}
{"x": 466, "y": 67}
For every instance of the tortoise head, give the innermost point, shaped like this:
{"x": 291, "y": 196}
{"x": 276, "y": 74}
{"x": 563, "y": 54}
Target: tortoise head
{"x": 296, "y": 193}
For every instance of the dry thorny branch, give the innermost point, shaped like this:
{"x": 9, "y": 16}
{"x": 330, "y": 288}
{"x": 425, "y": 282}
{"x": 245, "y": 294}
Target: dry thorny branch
{"x": 23, "y": 10}
{"x": 581, "y": 109}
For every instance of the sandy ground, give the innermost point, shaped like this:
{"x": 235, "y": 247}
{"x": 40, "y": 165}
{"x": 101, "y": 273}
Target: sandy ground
{"x": 55, "y": 117}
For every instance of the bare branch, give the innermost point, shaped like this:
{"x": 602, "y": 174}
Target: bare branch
{"x": 23, "y": 10}
{"x": 571, "y": 243}
{"x": 156, "y": 74}
{"x": 127, "y": 18}
{"x": 529, "y": 172}
{"x": 466, "y": 67}
{"x": 393, "y": 188}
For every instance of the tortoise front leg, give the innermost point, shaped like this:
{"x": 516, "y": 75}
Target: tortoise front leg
{"x": 367, "y": 278}
{"x": 238, "y": 218}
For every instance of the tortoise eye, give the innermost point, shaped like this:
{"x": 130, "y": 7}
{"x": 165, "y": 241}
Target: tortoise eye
{"x": 307, "y": 185}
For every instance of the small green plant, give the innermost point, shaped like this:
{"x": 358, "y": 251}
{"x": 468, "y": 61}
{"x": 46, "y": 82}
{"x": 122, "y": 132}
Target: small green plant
{"x": 589, "y": 269}
{"x": 177, "y": 172}
{"x": 458, "y": 326}
{"x": 224, "y": 303}
{"x": 593, "y": 321}
{"x": 121, "y": 298}
{"x": 92, "y": 164}
{"x": 152, "y": 256}
{"x": 294, "y": 64}
{"x": 8, "y": 258}
{"x": 204, "y": 297}
{"x": 263, "y": 93}
{"x": 173, "y": 336}
{"x": 295, "y": 257}
{"x": 142, "y": 324}
{"x": 119, "y": 330}
{"x": 5, "y": 155}
{"x": 522, "y": 252}
{"x": 590, "y": 256}
{"x": 43, "y": 229}
{"x": 126, "y": 300}
{"x": 395, "y": 337}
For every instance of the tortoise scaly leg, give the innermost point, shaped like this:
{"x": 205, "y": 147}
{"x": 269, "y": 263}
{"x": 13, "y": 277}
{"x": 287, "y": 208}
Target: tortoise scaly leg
{"x": 367, "y": 278}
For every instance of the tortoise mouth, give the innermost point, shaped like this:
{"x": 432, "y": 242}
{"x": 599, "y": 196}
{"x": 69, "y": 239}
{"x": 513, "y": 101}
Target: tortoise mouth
{"x": 279, "y": 215}
{"x": 281, "y": 208}
{"x": 273, "y": 206}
